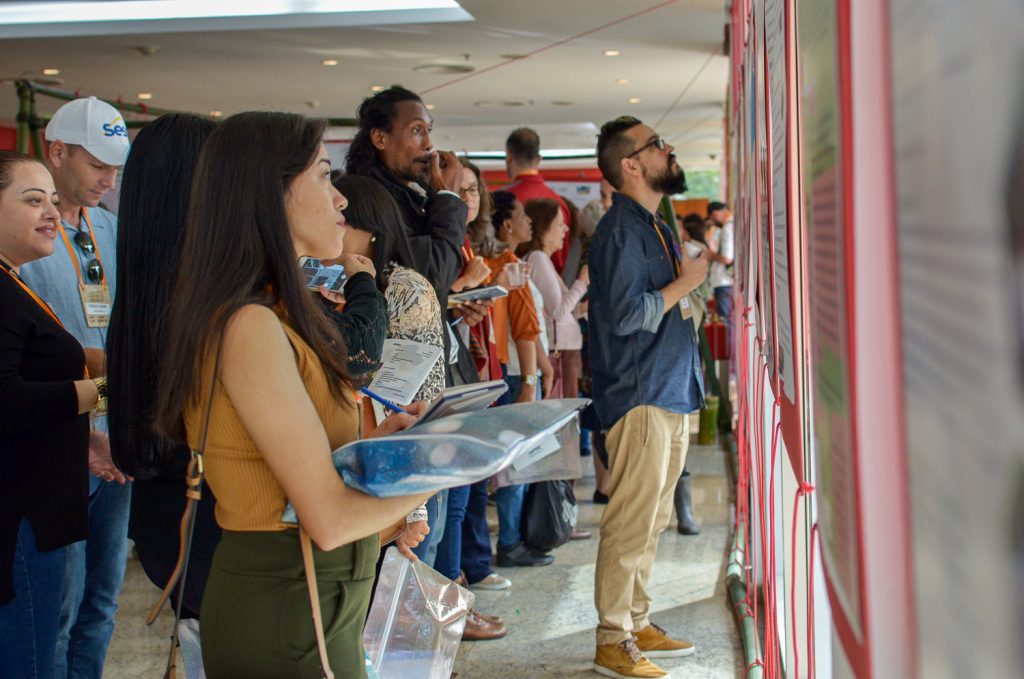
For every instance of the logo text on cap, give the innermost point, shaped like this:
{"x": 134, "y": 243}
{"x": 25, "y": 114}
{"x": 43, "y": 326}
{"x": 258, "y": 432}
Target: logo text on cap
{"x": 112, "y": 129}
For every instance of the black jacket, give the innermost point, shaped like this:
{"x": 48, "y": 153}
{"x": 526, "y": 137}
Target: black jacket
{"x": 436, "y": 226}
{"x": 44, "y": 442}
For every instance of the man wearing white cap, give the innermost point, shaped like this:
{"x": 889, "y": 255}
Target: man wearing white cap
{"x": 88, "y": 143}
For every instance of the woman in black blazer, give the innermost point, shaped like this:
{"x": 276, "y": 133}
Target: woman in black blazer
{"x": 45, "y": 395}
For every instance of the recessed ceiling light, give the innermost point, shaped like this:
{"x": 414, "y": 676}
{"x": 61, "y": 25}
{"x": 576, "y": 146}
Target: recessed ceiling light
{"x": 376, "y": 88}
{"x": 634, "y": 100}
{"x": 430, "y": 107}
{"x": 444, "y": 69}
{"x": 216, "y": 114}
{"x": 144, "y": 96}
{"x": 329, "y": 62}
{"x": 51, "y": 71}
{"x": 622, "y": 81}
{"x": 612, "y": 53}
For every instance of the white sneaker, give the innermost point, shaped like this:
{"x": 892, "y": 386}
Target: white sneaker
{"x": 493, "y": 582}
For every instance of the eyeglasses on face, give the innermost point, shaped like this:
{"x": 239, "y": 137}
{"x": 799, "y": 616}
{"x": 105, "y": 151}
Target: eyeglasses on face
{"x": 93, "y": 268}
{"x": 657, "y": 142}
{"x": 471, "y": 190}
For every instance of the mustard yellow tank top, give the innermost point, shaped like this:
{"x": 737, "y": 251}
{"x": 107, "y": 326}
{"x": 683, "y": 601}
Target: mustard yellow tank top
{"x": 249, "y": 497}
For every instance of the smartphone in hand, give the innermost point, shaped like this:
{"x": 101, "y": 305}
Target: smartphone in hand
{"x": 317, "y": 274}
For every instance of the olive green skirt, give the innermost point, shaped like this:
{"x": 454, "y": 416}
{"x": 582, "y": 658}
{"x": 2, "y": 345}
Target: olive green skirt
{"x": 256, "y": 617}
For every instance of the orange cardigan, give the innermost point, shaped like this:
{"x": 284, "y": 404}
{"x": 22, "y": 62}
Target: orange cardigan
{"x": 517, "y": 310}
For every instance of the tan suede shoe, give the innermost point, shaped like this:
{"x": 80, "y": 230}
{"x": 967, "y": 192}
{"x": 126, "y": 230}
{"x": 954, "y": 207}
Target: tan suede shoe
{"x": 625, "y": 661}
{"x": 655, "y": 643}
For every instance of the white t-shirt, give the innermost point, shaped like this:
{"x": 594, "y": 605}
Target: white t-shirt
{"x": 719, "y": 275}
{"x": 513, "y": 355}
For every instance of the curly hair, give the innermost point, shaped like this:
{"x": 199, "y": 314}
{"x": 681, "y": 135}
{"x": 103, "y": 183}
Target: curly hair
{"x": 503, "y": 204}
{"x": 377, "y": 112}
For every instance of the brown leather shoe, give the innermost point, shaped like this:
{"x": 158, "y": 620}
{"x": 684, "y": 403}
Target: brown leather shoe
{"x": 496, "y": 619}
{"x": 478, "y": 629}
{"x": 581, "y": 535}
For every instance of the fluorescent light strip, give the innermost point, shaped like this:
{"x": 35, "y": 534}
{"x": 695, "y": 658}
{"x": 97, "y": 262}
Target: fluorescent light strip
{"x": 550, "y": 154}
{"x": 24, "y": 13}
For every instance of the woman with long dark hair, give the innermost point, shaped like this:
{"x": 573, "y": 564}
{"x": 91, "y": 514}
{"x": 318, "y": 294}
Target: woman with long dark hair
{"x": 153, "y": 205}
{"x": 255, "y": 375}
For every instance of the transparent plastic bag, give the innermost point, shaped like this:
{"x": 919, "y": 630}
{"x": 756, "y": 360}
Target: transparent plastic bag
{"x": 416, "y": 621}
{"x": 452, "y": 451}
{"x": 559, "y": 464}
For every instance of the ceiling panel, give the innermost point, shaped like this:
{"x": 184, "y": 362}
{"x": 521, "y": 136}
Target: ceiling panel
{"x": 663, "y": 45}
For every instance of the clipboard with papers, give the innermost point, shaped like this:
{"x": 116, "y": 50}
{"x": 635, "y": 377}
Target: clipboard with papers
{"x": 477, "y": 295}
{"x": 463, "y": 399}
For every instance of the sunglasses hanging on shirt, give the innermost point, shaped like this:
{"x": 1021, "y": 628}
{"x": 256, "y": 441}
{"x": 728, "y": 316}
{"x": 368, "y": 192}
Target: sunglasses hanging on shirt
{"x": 93, "y": 268}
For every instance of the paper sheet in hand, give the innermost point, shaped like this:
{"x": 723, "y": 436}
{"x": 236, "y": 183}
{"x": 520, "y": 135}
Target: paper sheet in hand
{"x": 406, "y": 365}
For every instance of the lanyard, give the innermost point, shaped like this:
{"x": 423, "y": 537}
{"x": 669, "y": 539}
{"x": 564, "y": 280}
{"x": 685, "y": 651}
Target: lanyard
{"x": 467, "y": 253}
{"x": 45, "y": 307}
{"x": 674, "y": 260}
{"x": 71, "y": 253}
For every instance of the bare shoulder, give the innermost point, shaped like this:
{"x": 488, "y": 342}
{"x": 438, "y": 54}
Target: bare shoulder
{"x": 253, "y": 321}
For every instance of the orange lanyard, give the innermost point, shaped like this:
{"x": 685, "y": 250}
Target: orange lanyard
{"x": 674, "y": 260}
{"x": 467, "y": 253}
{"x": 71, "y": 253}
{"x": 45, "y": 307}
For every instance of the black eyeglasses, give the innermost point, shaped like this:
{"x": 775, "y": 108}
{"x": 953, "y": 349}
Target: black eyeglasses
{"x": 93, "y": 268}
{"x": 657, "y": 142}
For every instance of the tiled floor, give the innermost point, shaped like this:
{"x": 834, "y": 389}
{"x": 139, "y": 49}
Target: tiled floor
{"x": 549, "y": 610}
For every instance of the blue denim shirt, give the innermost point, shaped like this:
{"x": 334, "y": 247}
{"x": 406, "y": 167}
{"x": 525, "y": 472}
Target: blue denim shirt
{"x": 639, "y": 355}
{"x": 53, "y": 278}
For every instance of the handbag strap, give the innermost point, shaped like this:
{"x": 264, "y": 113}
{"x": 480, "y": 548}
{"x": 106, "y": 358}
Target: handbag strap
{"x": 314, "y": 601}
{"x": 194, "y": 476}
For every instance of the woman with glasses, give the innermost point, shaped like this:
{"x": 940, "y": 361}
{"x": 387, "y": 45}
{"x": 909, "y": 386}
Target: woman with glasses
{"x": 45, "y": 395}
{"x": 255, "y": 375}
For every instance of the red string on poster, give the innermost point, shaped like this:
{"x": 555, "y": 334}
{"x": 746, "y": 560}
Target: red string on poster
{"x": 804, "y": 490}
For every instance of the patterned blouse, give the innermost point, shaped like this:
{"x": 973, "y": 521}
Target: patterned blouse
{"x": 415, "y": 314}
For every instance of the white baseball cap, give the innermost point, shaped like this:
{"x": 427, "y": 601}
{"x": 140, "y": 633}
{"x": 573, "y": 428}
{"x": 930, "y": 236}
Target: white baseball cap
{"x": 94, "y": 125}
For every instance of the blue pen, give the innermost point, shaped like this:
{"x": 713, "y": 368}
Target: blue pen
{"x": 383, "y": 401}
{"x": 456, "y": 321}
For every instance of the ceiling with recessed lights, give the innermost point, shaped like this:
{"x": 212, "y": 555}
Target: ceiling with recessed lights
{"x": 540, "y": 63}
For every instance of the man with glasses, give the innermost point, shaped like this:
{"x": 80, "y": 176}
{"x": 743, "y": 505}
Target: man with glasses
{"x": 646, "y": 375}
{"x": 88, "y": 143}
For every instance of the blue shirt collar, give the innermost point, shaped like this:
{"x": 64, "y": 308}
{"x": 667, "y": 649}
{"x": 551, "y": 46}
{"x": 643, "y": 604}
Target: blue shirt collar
{"x": 631, "y": 205}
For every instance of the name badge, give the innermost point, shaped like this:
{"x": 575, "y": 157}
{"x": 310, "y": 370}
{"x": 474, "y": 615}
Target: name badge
{"x": 685, "y": 309}
{"x": 96, "y": 304}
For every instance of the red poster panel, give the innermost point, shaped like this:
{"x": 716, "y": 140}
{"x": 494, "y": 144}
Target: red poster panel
{"x": 823, "y": 39}
{"x": 787, "y": 369}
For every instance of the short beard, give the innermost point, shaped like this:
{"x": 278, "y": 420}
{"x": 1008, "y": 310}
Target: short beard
{"x": 669, "y": 182}
{"x": 410, "y": 174}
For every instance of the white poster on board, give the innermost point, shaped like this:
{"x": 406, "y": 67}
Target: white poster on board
{"x": 957, "y": 93}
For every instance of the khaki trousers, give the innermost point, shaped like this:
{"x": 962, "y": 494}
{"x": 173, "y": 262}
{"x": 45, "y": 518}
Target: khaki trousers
{"x": 646, "y": 453}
